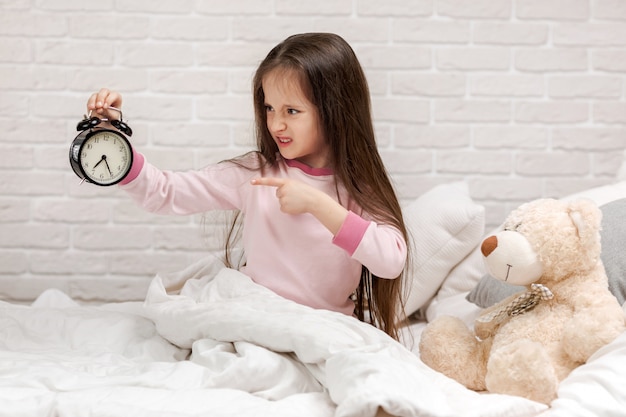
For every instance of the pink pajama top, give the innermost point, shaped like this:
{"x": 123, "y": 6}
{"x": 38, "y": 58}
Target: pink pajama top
{"x": 293, "y": 255}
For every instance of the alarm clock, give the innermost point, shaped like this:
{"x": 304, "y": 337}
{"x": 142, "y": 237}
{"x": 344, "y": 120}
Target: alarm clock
{"x": 99, "y": 155}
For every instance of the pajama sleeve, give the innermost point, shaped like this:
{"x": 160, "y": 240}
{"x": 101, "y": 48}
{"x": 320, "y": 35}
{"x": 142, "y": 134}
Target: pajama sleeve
{"x": 381, "y": 248}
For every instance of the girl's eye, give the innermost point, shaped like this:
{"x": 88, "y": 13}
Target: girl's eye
{"x": 292, "y": 111}
{"x": 268, "y": 108}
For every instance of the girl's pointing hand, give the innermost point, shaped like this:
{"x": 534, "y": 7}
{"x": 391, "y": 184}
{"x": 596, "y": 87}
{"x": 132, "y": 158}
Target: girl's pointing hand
{"x": 294, "y": 197}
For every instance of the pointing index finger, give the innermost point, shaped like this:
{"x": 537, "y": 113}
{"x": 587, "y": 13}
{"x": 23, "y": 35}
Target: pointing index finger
{"x": 272, "y": 182}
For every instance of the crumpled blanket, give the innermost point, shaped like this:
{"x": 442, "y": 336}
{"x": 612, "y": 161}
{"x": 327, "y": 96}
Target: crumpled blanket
{"x": 222, "y": 347}
{"x": 250, "y": 339}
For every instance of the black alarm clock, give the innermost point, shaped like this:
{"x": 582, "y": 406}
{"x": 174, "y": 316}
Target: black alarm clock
{"x": 99, "y": 155}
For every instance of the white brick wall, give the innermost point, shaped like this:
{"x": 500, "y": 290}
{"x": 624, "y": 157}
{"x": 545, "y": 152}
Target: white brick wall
{"x": 520, "y": 98}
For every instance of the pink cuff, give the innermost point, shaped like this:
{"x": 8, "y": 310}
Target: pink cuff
{"x": 351, "y": 232}
{"x": 138, "y": 161}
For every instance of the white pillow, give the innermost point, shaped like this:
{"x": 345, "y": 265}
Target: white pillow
{"x": 601, "y": 195}
{"x": 465, "y": 275}
{"x": 444, "y": 225}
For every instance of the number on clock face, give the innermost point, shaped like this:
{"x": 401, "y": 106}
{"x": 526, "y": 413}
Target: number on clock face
{"x": 105, "y": 158}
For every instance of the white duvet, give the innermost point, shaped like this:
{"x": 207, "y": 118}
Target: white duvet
{"x": 228, "y": 347}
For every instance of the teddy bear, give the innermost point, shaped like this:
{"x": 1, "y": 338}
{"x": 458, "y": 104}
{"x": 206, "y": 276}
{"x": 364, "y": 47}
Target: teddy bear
{"x": 527, "y": 343}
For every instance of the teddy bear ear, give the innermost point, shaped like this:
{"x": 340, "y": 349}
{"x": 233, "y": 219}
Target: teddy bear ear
{"x": 586, "y": 217}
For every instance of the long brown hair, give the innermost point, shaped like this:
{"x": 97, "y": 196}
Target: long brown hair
{"x": 332, "y": 78}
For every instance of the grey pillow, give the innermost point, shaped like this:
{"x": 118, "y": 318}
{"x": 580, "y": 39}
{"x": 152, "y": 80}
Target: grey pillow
{"x": 490, "y": 291}
{"x": 614, "y": 246}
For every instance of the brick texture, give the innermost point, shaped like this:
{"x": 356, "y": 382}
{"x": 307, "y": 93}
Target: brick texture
{"x": 519, "y": 98}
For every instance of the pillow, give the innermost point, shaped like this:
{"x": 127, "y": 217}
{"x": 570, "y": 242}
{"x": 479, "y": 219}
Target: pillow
{"x": 613, "y": 234}
{"x": 465, "y": 275}
{"x": 603, "y": 194}
{"x": 614, "y": 246}
{"x": 444, "y": 226}
{"x": 490, "y": 291}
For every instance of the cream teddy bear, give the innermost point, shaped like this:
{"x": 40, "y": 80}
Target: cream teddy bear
{"x": 526, "y": 344}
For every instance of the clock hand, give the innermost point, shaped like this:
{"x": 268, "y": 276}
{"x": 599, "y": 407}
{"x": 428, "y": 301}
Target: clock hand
{"x": 107, "y": 164}
{"x": 104, "y": 157}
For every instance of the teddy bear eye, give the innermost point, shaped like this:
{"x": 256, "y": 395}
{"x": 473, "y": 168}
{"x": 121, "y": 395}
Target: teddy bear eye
{"x": 513, "y": 228}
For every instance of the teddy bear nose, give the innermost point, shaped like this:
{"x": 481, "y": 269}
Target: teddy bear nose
{"x": 489, "y": 245}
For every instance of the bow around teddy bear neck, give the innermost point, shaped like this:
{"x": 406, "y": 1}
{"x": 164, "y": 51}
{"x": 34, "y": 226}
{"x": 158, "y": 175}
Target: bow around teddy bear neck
{"x": 521, "y": 304}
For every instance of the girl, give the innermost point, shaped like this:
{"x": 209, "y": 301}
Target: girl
{"x": 322, "y": 225}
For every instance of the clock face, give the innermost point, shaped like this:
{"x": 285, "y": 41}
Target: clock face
{"x": 105, "y": 157}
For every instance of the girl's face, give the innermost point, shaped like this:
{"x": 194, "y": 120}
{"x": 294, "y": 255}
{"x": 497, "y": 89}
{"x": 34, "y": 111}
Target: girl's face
{"x": 293, "y": 121}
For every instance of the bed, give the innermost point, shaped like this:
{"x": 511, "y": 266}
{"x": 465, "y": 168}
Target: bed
{"x": 223, "y": 346}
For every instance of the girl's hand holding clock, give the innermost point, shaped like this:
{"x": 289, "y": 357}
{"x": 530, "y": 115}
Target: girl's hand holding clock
{"x": 101, "y": 101}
